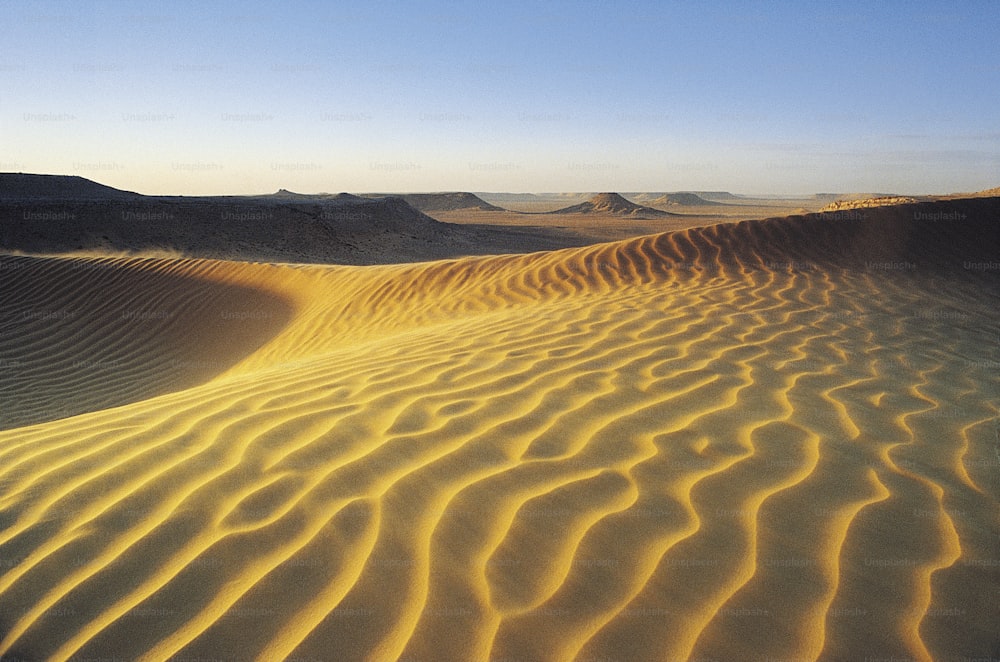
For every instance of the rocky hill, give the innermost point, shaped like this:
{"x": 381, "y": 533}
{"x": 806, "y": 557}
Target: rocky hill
{"x": 426, "y": 202}
{"x": 683, "y": 199}
{"x": 612, "y": 203}
{"x": 54, "y": 214}
{"x": 866, "y": 203}
{"x": 18, "y": 186}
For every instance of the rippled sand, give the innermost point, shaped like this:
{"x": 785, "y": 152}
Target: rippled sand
{"x": 766, "y": 441}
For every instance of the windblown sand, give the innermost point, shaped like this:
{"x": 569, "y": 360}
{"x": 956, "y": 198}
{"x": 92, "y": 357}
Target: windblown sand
{"x": 736, "y": 443}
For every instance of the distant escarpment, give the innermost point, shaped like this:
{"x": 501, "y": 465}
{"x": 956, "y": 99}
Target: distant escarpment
{"x": 49, "y": 214}
{"x": 866, "y": 203}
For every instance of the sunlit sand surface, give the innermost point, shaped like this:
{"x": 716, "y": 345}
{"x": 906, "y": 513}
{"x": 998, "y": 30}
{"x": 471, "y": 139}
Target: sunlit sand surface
{"x": 766, "y": 441}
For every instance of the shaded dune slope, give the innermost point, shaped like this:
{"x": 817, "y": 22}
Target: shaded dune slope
{"x": 769, "y": 440}
{"x": 80, "y": 335}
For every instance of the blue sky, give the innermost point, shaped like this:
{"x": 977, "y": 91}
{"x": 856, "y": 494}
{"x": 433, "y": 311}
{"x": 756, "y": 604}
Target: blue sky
{"x": 247, "y": 97}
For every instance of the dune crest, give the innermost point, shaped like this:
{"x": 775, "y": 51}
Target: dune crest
{"x": 768, "y": 437}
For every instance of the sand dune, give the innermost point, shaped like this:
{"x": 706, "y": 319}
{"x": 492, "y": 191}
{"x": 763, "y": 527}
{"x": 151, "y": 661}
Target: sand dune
{"x": 767, "y": 440}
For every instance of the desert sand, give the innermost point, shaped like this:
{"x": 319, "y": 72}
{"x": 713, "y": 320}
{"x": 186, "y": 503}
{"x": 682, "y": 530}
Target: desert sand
{"x": 767, "y": 440}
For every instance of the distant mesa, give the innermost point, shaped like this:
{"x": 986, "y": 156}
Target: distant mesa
{"x": 612, "y": 203}
{"x": 530, "y": 197}
{"x": 426, "y": 202}
{"x": 285, "y": 194}
{"x": 683, "y": 199}
{"x": 827, "y": 197}
{"x": 26, "y": 187}
{"x": 291, "y": 196}
{"x": 510, "y": 197}
{"x": 717, "y": 196}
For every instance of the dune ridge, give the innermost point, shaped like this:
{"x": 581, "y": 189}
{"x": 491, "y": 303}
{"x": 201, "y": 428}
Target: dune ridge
{"x": 774, "y": 437}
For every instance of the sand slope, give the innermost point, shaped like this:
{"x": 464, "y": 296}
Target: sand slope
{"x": 769, "y": 440}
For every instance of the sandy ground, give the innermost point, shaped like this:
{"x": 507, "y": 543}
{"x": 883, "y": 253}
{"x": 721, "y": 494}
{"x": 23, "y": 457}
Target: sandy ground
{"x": 755, "y": 441}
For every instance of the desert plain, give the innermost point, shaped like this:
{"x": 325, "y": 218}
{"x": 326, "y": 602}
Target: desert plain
{"x": 347, "y": 427}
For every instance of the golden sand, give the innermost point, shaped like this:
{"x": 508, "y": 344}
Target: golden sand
{"x": 684, "y": 446}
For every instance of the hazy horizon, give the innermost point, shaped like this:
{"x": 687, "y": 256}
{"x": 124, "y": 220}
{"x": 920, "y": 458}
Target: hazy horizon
{"x": 749, "y": 195}
{"x": 247, "y": 98}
